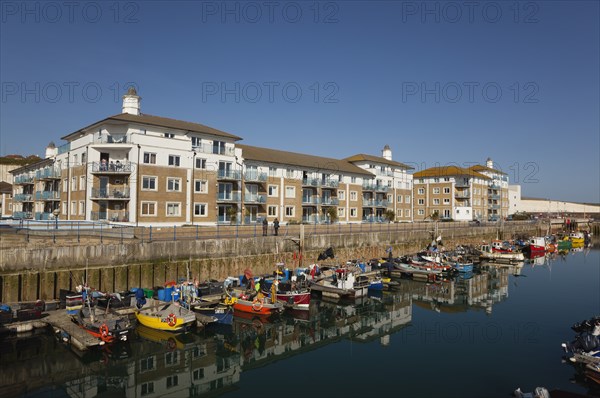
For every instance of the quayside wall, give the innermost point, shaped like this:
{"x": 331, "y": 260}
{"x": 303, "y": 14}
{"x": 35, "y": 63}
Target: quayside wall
{"x": 28, "y": 274}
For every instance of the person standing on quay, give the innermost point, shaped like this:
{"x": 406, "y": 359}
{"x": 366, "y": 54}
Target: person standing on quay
{"x": 265, "y": 225}
{"x": 276, "y": 226}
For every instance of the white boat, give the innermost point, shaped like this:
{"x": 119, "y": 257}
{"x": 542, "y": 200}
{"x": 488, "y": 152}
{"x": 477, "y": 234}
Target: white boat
{"x": 343, "y": 283}
{"x": 507, "y": 257}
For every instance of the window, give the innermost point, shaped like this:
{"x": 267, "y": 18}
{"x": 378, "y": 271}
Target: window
{"x": 272, "y": 171}
{"x": 342, "y": 195}
{"x": 436, "y": 191}
{"x": 272, "y": 211}
{"x": 196, "y": 142}
{"x": 289, "y": 211}
{"x": 341, "y": 212}
{"x": 73, "y": 183}
{"x": 148, "y": 208}
{"x": 390, "y": 198}
{"x": 290, "y": 192}
{"x": 173, "y": 209}
{"x": 406, "y": 198}
{"x": 174, "y": 184}
{"x": 407, "y": 213}
{"x": 399, "y": 199}
{"x": 436, "y": 180}
{"x": 446, "y": 201}
{"x": 174, "y": 160}
{"x": 421, "y": 191}
{"x": 201, "y": 163}
{"x": 169, "y": 135}
{"x": 219, "y": 147}
{"x": 353, "y": 212}
{"x": 200, "y": 186}
{"x": 82, "y": 182}
{"x": 272, "y": 190}
{"x": 65, "y": 184}
{"x": 198, "y": 374}
{"x": 389, "y": 183}
{"x": 172, "y": 358}
{"x": 149, "y": 183}
{"x": 173, "y": 380}
{"x": 436, "y": 201}
{"x": 75, "y": 160}
{"x": 421, "y": 201}
{"x": 147, "y": 388}
{"x": 289, "y": 173}
{"x": 446, "y": 213}
{"x": 446, "y": 178}
{"x": 446, "y": 190}
{"x": 147, "y": 364}
{"x": 421, "y": 212}
{"x": 353, "y": 180}
{"x": 200, "y": 209}
{"x": 399, "y": 213}
{"x": 81, "y": 207}
{"x": 64, "y": 208}
{"x": 149, "y": 158}
{"x": 73, "y": 208}
{"x": 421, "y": 181}
{"x": 353, "y": 196}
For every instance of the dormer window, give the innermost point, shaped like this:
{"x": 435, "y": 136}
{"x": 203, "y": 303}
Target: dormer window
{"x": 169, "y": 135}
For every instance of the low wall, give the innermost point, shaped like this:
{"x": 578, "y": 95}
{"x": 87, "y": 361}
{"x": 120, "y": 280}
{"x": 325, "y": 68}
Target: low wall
{"x": 40, "y": 273}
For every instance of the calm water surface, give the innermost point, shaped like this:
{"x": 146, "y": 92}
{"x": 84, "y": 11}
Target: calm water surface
{"x": 479, "y": 337}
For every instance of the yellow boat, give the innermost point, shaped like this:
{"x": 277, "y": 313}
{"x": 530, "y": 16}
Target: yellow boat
{"x": 576, "y": 239}
{"x": 170, "y": 316}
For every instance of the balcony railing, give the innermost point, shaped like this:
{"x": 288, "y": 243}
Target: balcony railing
{"x": 229, "y": 175}
{"x": 254, "y": 176}
{"x": 387, "y": 173}
{"x": 208, "y": 148}
{"x": 24, "y": 179}
{"x": 311, "y": 182}
{"x": 375, "y": 187}
{"x": 311, "y": 200}
{"x": 48, "y": 173}
{"x": 462, "y": 184}
{"x": 494, "y": 186}
{"x": 329, "y": 201}
{"x": 493, "y": 206}
{"x": 462, "y": 195}
{"x": 47, "y": 195}
{"x": 493, "y": 196}
{"x": 314, "y": 219}
{"x": 228, "y": 196}
{"x": 23, "y": 197}
{"x": 112, "y": 167}
{"x": 43, "y": 216}
{"x": 111, "y": 215}
{"x": 381, "y": 203}
{"x": 373, "y": 219}
{"x": 110, "y": 139}
{"x": 251, "y": 198}
{"x": 330, "y": 183}
{"x": 122, "y": 193}
{"x": 64, "y": 148}
{"x": 22, "y": 214}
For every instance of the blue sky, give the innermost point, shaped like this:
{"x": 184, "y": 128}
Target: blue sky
{"x": 440, "y": 82}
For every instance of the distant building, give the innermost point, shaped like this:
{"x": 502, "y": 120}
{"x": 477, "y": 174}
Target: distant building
{"x": 549, "y": 207}
{"x": 6, "y": 203}
{"x": 497, "y": 191}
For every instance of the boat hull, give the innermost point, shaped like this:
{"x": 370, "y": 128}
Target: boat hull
{"x": 171, "y": 317}
{"x": 259, "y": 307}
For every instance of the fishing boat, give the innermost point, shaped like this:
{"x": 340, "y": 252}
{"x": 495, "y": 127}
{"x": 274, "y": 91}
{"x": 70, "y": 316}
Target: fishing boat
{"x": 487, "y": 253}
{"x": 564, "y": 244}
{"x": 577, "y": 239}
{"x": 258, "y": 306}
{"x": 342, "y": 283}
{"x": 535, "y": 246}
{"x": 170, "y": 316}
{"x": 463, "y": 267}
{"x": 498, "y": 246}
{"x": 101, "y": 322}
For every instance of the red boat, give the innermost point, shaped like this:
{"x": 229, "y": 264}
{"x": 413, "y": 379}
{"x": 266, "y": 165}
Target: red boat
{"x": 535, "y": 247}
{"x": 262, "y": 306}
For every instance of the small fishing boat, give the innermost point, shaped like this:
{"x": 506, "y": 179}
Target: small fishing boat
{"x": 463, "y": 267}
{"x": 564, "y": 244}
{"x": 102, "y": 323}
{"x": 342, "y": 283}
{"x": 488, "y": 254}
{"x": 170, "y": 316}
{"x": 535, "y": 246}
{"x": 577, "y": 239}
{"x": 258, "y": 306}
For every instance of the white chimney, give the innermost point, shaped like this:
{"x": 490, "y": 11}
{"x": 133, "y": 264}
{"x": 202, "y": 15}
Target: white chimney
{"x": 386, "y": 153}
{"x": 51, "y": 150}
{"x": 131, "y": 102}
{"x": 489, "y": 163}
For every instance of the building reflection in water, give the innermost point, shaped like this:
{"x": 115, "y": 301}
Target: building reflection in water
{"x": 211, "y": 362}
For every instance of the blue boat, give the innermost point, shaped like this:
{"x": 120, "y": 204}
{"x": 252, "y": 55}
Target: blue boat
{"x": 463, "y": 267}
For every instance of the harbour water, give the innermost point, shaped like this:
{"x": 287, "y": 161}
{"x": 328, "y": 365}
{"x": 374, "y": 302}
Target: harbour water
{"x": 481, "y": 336}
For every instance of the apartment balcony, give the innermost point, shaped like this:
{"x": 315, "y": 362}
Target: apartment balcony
{"x": 64, "y": 148}
{"x": 111, "y": 168}
{"x": 23, "y": 214}
{"x": 115, "y": 194}
{"x": 368, "y": 202}
{"x": 48, "y": 174}
{"x": 461, "y": 203}
{"x": 493, "y": 206}
{"x": 249, "y": 198}
{"x": 386, "y": 173}
{"x": 494, "y": 196}
{"x": 47, "y": 195}
{"x": 233, "y": 197}
{"x": 253, "y": 176}
{"x": 111, "y": 215}
{"x": 373, "y": 219}
{"x": 313, "y": 219}
{"x": 462, "y": 194}
{"x": 229, "y": 175}
{"x": 381, "y": 203}
{"x": 23, "y": 197}
{"x": 375, "y": 187}
{"x": 44, "y": 216}
{"x": 494, "y": 186}
{"x": 215, "y": 150}
{"x": 23, "y": 179}
{"x": 311, "y": 182}
{"x": 329, "y": 201}
{"x": 462, "y": 184}
{"x": 110, "y": 139}
{"x": 330, "y": 183}
{"x": 311, "y": 200}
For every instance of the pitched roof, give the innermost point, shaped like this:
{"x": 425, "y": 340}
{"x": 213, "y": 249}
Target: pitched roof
{"x": 370, "y": 158}
{"x": 32, "y": 166}
{"x": 157, "y": 121}
{"x": 480, "y": 168}
{"x": 5, "y": 187}
{"x": 299, "y": 159}
{"x": 449, "y": 171}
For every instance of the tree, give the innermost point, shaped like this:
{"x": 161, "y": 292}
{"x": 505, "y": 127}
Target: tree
{"x": 331, "y": 213}
{"x": 435, "y": 215}
{"x": 389, "y": 215}
{"x": 232, "y": 214}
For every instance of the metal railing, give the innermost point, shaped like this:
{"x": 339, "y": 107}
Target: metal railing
{"x": 228, "y": 196}
{"x": 47, "y": 195}
{"x": 329, "y": 201}
{"x": 23, "y": 179}
{"x": 462, "y": 184}
{"x": 48, "y": 173}
{"x": 22, "y": 214}
{"x": 64, "y": 148}
{"x": 229, "y": 175}
{"x": 111, "y": 215}
{"x": 109, "y": 139}
{"x": 44, "y": 216}
{"x": 251, "y": 198}
{"x": 23, "y": 197}
{"x": 112, "y": 167}
{"x": 101, "y": 193}
{"x": 255, "y": 176}
{"x": 311, "y": 200}
{"x": 375, "y": 187}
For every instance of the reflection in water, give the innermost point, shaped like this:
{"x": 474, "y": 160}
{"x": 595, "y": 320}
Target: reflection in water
{"x": 213, "y": 361}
